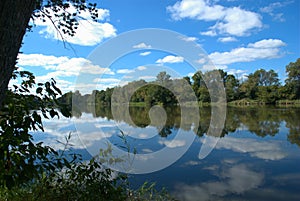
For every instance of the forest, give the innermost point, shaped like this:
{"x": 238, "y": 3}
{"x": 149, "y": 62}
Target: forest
{"x": 260, "y": 87}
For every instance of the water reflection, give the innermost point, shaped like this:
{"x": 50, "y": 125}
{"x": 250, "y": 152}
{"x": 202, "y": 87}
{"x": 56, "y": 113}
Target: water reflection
{"x": 256, "y": 157}
{"x": 231, "y": 179}
{"x": 264, "y": 121}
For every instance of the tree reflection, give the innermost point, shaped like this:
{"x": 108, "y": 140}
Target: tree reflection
{"x": 293, "y": 123}
{"x": 262, "y": 121}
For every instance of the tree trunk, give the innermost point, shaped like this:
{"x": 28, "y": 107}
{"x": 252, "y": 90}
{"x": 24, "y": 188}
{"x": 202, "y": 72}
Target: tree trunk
{"x": 14, "y": 18}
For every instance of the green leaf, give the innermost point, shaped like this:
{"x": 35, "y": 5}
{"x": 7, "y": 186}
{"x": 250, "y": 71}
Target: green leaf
{"x": 53, "y": 113}
{"x": 56, "y": 88}
{"x": 39, "y": 90}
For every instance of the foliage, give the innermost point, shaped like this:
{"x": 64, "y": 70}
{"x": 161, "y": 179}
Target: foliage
{"x": 64, "y": 15}
{"x": 293, "y": 80}
{"x": 20, "y": 158}
{"x": 82, "y": 180}
{"x": 32, "y": 171}
{"x": 261, "y": 87}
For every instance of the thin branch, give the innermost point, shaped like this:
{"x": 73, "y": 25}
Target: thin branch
{"x": 65, "y": 42}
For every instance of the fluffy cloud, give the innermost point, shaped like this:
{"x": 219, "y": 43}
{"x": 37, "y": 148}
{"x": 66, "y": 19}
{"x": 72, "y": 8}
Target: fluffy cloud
{"x": 88, "y": 33}
{"x": 173, "y": 143}
{"x": 264, "y": 49}
{"x": 57, "y": 129}
{"x": 189, "y": 39}
{"x": 141, "y": 68}
{"x": 106, "y": 80}
{"x": 209, "y": 33}
{"x": 147, "y": 77}
{"x": 259, "y": 149}
{"x": 229, "y": 20}
{"x": 234, "y": 180}
{"x": 142, "y": 46}
{"x": 227, "y": 39}
{"x": 124, "y": 71}
{"x": 66, "y": 68}
{"x": 170, "y": 59}
{"x": 145, "y": 53}
{"x": 267, "y": 43}
{"x": 239, "y": 74}
{"x": 63, "y": 66}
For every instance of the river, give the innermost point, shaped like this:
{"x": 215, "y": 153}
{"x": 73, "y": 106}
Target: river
{"x": 254, "y": 155}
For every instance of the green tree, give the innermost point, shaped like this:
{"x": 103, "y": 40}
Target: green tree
{"x": 248, "y": 88}
{"x": 231, "y": 87}
{"x": 163, "y": 78}
{"x": 268, "y": 84}
{"x": 199, "y": 86}
{"x": 15, "y": 16}
{"x": 197, "y": 81}
{"x": 293, "y": 80}
{"x": 262, "y": 85}
{"x": 214, "y": 83}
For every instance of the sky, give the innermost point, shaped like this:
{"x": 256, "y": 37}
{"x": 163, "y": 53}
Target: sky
{"x": 238, "y": 36}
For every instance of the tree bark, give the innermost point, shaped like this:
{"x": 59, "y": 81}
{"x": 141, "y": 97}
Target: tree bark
{"x": 14, "y": 19}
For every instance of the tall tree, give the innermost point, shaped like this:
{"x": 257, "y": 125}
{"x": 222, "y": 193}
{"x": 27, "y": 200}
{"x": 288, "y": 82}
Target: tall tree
{"x": 14, "y": 19}
{"x": 293, "y": 80}
{"x": 163, "y": 78}
{"x": 197, "y": 82}
{"x": 259, "y": 83}
{"x": 231, "y": 87}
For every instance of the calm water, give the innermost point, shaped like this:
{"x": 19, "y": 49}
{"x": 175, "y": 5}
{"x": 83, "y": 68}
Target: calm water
{"x": 257, "y": 156}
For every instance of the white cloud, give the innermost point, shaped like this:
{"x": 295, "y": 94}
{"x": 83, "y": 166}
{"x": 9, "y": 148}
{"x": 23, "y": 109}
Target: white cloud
{"x": 267, "y": 43}
{"x": 239, "y": 74}
{"x": 237, "y": 179}
{"x": 259, "y": 149}
{"x": 63, "y": 66}
{"x": 239, "y": 22}
{"x": 124, "y": 71}
{"x": 145, "y": 53}
{"x": 190, "y": 74}
{"x": 209, "y": 67}
{"x": 209, "y": 33}
{"x": 264, "y": 49}
{"x": 173, "y": 143}
{"x": 147, "y": 77}
{"x": 128, "y": 77}
{"x": 191, "y": 163}
{"x": 142, "y": 46}
{"x": 143, "y": 136}
{"x": 40, "y": 60}
{"x": 87, "y": 88}
{"x": 170, "y": 59}
{"x": 88, "y": 33}
{"x": 106, "y": 80}
{"x": 202, "y": 60}
{"x": 141, "y": 67}
{"x": 229, "y": 20}
{"x": 227, "y": 39}
{"x": 189, "y": 39}
{"x": 147, "y": 150}
{"x": 270, "y": 9}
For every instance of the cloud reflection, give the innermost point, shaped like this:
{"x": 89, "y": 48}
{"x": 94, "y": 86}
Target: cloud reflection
{"x": 234, "y": 180}
{"x": 267, "y": 150}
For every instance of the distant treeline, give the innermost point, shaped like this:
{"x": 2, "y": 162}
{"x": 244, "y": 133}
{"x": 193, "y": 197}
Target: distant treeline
{"x": 262, "y": 86}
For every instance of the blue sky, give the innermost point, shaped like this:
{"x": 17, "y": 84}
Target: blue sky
{"x": 239, "y": 36}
